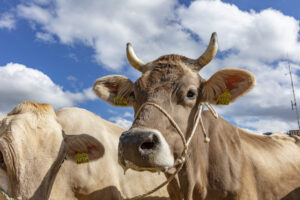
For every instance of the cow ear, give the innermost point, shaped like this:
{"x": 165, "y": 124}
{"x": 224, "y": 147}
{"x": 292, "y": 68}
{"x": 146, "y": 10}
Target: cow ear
{"x": 227, "y": 85}
{"x": 114, "y": 90}
{"x": 83, "y": 148}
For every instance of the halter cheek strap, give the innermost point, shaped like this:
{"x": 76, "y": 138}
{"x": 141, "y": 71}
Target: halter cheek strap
{"x": 174, "y": 124}
{"x": 181, "y": 160}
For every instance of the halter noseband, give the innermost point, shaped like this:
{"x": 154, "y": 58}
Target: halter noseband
{"x": 178, "y": 164}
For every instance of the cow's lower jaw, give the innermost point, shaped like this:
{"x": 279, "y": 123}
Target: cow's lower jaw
{"x": 144, "y": 149}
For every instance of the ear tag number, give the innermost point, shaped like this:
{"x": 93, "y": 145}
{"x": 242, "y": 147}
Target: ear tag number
{"x": 82, "y": 158}
{"x": 224, "y": 99}
{"x": 120, "y": 101}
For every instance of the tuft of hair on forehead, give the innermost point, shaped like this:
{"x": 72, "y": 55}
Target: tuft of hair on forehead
{"x": 165, "y": 69}
{"x": 178, "y": 60}
{"x": 173, "y": 58}
{"x": 36, "y": 108}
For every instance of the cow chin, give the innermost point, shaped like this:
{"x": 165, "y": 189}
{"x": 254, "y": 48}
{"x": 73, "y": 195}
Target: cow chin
{"x": 144, "y": 149}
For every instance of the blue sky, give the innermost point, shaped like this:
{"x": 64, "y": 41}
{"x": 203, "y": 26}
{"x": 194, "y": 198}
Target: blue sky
{"x": 53, "y": 51}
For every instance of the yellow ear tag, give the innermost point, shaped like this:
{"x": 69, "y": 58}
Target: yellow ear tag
{"x": 224, "y": 99}
{"x": 120, "y": 101}
{"x": 82, "y": 158}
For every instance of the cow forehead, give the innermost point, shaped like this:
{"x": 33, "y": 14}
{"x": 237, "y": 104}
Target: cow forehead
{"x": 28, "y": 115}
{"x": 167, "y": 70}
{"x": 35, "y": 108}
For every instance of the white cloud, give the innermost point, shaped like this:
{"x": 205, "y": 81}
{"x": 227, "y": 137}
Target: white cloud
{"x": 42, "y": 2}
{"x": 73, "y": 57}
{"x": 45, "y": 37}
{"x": 20, "y": 83}
{"x": 128, "y": 115}
{"x": 265, "y": 125}
{"x": 71, "y": 78}
{"x": 35, "y": 13}
{"x": 267, "y": 35}
{"x": 8, "y": 21}
{"x": 121, "y": 121}
{"x": 160, "y": 27}
{"x": 250, "y": 40}
{"x": 108, "y": 25}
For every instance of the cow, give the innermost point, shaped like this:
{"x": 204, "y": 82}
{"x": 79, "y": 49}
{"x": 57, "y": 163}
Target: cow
{"x": 68, "y": 154}
{"x": 221, "y": 161}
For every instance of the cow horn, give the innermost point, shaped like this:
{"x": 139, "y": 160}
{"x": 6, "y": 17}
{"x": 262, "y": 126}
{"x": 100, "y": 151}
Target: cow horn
{"x": 133, "y": 59}
{"x": 210, "y": 52}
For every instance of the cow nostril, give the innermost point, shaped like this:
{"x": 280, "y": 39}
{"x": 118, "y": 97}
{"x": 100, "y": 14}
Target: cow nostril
{"x": 123, "y": 135}
{"x": 147, "y": 145}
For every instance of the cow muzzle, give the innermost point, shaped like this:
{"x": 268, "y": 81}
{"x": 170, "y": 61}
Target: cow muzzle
{"x": 144, "y": 149}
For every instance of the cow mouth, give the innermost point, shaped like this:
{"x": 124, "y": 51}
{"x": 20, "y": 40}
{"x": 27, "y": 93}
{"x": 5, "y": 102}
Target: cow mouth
{"x": 126, "y": 164}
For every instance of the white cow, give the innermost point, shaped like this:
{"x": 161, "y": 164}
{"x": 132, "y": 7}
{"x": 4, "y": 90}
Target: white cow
{"x": 34, "y": 147}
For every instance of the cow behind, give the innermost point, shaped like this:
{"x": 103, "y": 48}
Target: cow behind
{"x": 34, "y": 148}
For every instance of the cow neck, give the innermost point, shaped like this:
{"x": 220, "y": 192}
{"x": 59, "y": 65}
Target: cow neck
{"x": 181, "y": 160}
{"x": 44, "y": 190}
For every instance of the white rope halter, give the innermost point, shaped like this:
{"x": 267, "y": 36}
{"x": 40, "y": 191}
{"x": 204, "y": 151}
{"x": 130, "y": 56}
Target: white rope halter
{"x": 181, "y": 160}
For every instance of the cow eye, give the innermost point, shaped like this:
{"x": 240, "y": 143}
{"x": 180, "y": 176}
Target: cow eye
{"x": 132, "y": 95}
{"x": 2, "y": 163}
{"x": 191, "y": 94}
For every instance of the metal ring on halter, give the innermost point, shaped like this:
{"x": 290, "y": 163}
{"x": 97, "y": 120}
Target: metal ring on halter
{"x": 181, "y": 160}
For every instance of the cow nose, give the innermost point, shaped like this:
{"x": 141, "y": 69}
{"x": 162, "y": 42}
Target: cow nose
{"x": 123, "y": 135}
{"x": 138, "y": 141}
{"x": 150, "y": 142}
{"x": 143, "y": 148}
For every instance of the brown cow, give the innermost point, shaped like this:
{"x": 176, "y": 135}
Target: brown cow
{"x": 235, "y": 164}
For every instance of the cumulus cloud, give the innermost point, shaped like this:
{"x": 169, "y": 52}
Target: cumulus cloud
{"x": 257, "y": 41}
{"x": 20, "y": 83}
{"x": 108, "y": 25}
{"x": 124, "y": 120}
{"x": 125, "y": 123}
{"x": 267, "y": 35}
{"x": 160, "y": 27}
{"x": 7, "y": 20}
{"x": 45, "y": 37}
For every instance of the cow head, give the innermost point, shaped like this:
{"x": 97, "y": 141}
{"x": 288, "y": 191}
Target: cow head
{"x": 172, "y": 82}
{"x": 33, "y": 147}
